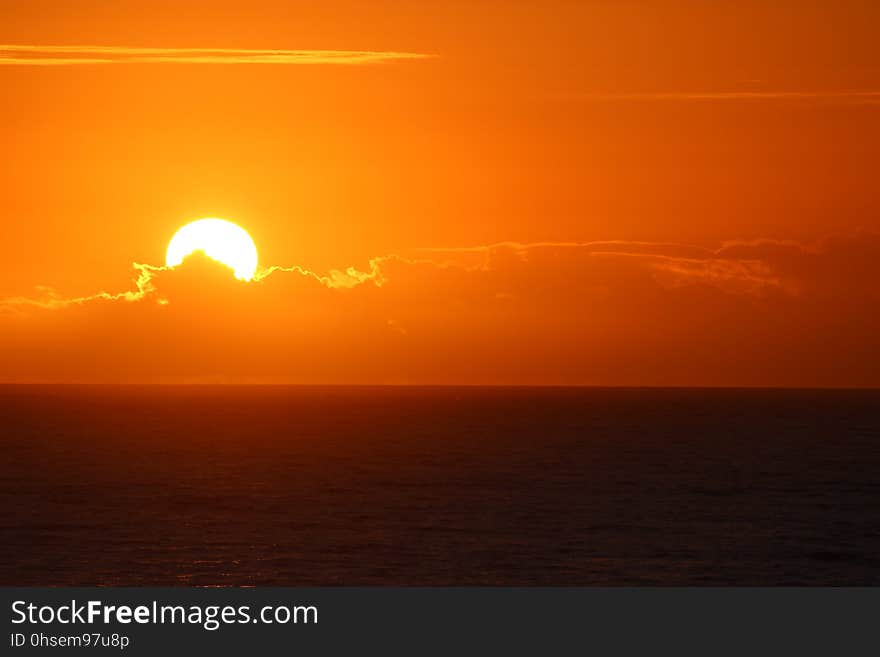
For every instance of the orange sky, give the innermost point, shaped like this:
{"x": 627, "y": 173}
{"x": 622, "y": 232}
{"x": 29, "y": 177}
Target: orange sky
{"x": 639, "y": 193}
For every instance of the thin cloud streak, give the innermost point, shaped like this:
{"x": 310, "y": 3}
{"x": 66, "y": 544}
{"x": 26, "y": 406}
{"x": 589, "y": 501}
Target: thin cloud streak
{"x": 855, "y": 96}
{"x": 44, "y": 55}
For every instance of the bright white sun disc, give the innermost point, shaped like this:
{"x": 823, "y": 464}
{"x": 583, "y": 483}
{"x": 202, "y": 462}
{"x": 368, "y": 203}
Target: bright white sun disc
{"x": 221, "y": 240}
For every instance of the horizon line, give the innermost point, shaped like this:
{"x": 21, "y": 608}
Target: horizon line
{"x": 258, "y": 384}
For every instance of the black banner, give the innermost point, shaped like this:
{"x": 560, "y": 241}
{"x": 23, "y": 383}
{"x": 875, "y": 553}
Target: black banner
{"x": 171, "y": 621}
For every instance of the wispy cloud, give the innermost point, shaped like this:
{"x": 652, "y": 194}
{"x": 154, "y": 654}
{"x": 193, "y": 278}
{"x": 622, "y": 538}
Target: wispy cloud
{"x": 868, "y": 96}
{"x": 347, "y": 278}
{"x": 44, "y": 55}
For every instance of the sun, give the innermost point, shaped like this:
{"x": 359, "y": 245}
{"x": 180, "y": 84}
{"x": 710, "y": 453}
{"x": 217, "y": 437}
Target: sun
{"x": 221, "y": 240}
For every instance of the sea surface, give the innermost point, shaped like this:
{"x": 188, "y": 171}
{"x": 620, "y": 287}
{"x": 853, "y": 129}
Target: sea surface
{"x": 253, "y": 485}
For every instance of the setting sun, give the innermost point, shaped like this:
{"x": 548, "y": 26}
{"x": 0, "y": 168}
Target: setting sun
{"x": 219, "y": 239}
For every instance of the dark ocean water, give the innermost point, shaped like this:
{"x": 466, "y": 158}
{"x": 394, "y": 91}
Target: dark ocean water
{"x": 438, "y": 486}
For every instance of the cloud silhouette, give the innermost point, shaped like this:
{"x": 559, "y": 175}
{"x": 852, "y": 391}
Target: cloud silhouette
{"x": 622, "y": 313}
{"x": 49, "y": 299}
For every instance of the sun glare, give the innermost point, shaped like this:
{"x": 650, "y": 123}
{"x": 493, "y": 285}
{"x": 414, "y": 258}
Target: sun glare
{"x": 221, "y": 240}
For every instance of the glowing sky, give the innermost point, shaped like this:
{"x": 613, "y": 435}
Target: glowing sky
{"x": 640, "y": 193}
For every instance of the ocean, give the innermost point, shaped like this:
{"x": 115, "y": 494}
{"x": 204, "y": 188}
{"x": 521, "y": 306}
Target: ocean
{"x": 298, "y": 485}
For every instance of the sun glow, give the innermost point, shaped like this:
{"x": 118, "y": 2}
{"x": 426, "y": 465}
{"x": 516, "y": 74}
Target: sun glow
{"x": 221, "y": 240}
